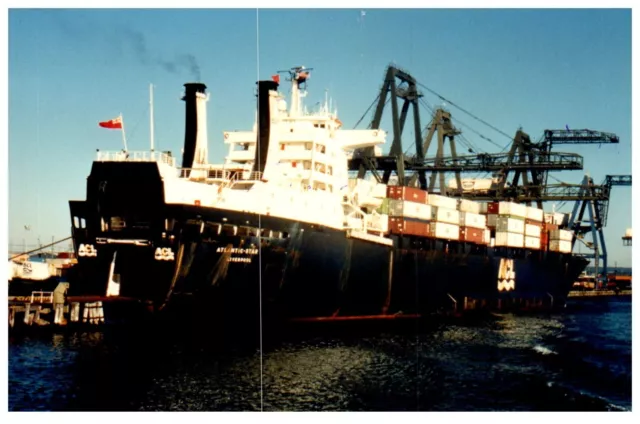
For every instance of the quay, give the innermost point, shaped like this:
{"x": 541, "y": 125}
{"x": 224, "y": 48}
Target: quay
{"x": 45, "y": 309}
{"x": 598, "y": 293}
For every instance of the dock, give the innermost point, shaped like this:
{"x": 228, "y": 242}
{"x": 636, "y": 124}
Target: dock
{"x": 598, "y": 293}
{"x": 46, "y": 309}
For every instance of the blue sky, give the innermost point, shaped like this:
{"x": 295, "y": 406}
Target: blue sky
{"x": 70, "y": 69}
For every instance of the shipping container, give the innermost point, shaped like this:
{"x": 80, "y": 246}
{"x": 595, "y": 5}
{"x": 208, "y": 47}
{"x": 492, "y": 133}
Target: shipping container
{"x": 442, "y": 201}
{"x": 507, "y": 208}
{"x": 408, "y": 227}
{"x": 511, "y": 225}
{"x": 548, "y": 218}
{"x": 384, "y": 206}
{"x": 443, "y": 230}
{"x": 473, "y": 235}
{"x": 379, "y": 223}
{"x": 561, "y": 235}
{"x": 407, "y": 193}
{"x": 491, "y": 220}
{"x": 493, "y": 242}
{"x": 487, "y": 236}
{"x": 379, "y": 191}
{"x": 560, "y": 219}
{"x": 532, "y": 230}
{"x": 407, "y": 209}
{"x": 563, "y": 246}
{"x": 535, "y": 214}
{"x": 466, "y": 205}
{"x": 544, "y": 240}
{"x": 536, "y": 223}
{"x": 469, "y": 219}
{"x": 549, "y": 227}
{"x": 532, "y": 242}
{"x": 509, "y": 239}
{"x": 449, "y": 216}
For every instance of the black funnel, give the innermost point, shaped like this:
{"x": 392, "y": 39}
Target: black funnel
{"x": 191, "y": 122}
{"x": 264, "y": 123}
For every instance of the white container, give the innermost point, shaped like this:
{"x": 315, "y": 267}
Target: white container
{"x": 404, "y": 208}
{"x": 493, "y": 242}
{"x": 487, "y": 236}
{"x": 532, "y": 242}
{"x": 442, "y": 214}
{"x": 466, "y": 205}
{"x": 531, "y": 230}
{"x": 565, "y": 235}
{"x": 442, "y": 201}
{"x": 442, "y": 230}
{"x": 512, "y": 209}
{"x": 548, "y": 218}
{"x": 491, "y": 220}
{"x": 379, "y": 222}
{"x": 511, "y": 225}
{"x": 473, "y": 220}
{"x": 509, "y": 239}
{"x": 560, "y": 219}
{"x": 535, "y": 214}
{"x": 563, "y": 246}
{"x": 379, "y": 191}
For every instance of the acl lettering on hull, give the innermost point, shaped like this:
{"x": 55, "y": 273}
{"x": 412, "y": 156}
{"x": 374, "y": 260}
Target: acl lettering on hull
{"x": 237, "y": 250}
{"x": 506, "y": 275}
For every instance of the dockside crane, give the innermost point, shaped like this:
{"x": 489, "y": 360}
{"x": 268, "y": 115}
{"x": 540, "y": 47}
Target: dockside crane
{"x": 520, "y": 174}
{"x": 597, "y": 207}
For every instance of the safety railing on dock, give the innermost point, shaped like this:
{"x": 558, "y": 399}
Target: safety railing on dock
{"x": 138, "y": 156}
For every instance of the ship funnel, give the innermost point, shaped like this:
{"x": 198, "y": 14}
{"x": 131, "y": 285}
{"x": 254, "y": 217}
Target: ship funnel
{"x": 195, "y": 132}
{"x": 264, "y": 123}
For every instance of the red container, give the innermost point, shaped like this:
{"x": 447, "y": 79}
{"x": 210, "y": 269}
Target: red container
{"x": 473, "y": 235}
{"x": 544, "y": 240}
{"x": 493, "y": 207}
{"x": 549, "y": 227}
{"x": 408, "y": 227}
{"x": 532, "y": 222}
{"x": 407, "y": 193}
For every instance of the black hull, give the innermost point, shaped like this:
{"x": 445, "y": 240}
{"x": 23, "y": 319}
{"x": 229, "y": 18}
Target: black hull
{"x": 298, "y": 269}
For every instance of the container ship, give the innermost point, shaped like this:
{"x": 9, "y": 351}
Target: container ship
{"x": 283, "y": 227}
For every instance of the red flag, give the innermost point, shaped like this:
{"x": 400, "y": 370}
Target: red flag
{"x": 276, "y": 78}
{"x": 115, "y": 123}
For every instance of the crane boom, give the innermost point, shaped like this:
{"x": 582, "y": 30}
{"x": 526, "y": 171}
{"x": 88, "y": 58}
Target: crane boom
{"x": 578, "y": 137}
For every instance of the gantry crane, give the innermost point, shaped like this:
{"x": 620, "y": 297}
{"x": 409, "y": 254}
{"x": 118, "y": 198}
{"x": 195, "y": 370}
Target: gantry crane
{"x": 530, "y": 162}
{"x": 597, "y": 206}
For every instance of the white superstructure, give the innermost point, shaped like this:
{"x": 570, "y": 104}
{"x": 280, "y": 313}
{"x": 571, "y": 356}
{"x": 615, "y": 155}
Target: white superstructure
{"x": 305, "y": 176}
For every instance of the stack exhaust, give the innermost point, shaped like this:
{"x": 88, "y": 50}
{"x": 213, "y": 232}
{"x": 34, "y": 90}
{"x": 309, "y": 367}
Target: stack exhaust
{"x": 264, "y": 123}
{"x": 195, "y": 133}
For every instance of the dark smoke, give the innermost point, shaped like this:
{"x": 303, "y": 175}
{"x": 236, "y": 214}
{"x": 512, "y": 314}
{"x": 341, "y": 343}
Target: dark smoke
{"x": 125, "y": 40}
{"x": 137, "y": 42}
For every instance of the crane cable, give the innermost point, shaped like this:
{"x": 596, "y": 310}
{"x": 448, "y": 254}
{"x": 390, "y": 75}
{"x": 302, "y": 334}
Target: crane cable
{"x": 465, "y": 111}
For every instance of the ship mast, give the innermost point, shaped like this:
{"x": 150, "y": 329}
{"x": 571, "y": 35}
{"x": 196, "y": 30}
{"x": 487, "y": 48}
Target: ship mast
{"x": 151, "y": 115}
{"x": 299, "y": 76}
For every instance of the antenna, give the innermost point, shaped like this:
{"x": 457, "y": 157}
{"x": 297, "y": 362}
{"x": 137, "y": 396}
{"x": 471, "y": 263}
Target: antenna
{"x": 151, "y": 115}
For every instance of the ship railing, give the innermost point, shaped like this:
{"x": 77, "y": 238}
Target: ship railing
{"x": 41, "y": 297}
{"x": 223, "y": 177}
{"x": 136, "y": 156}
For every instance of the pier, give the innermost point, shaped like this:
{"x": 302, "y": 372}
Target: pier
{"x": 45, "y": 309}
